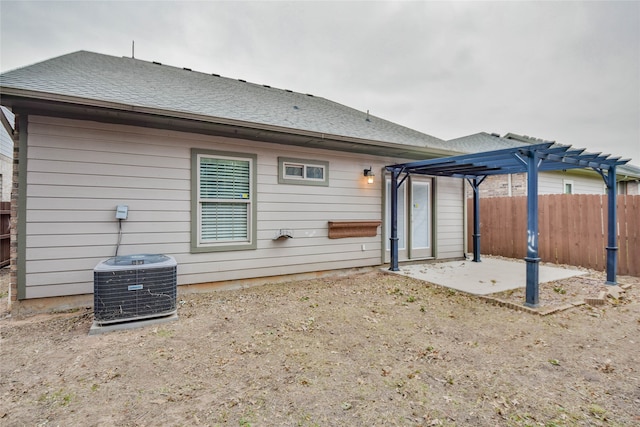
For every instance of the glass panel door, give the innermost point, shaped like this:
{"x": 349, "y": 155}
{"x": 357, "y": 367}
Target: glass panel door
{"x": 420, "y": 219}
{"x": 414, "y": 219}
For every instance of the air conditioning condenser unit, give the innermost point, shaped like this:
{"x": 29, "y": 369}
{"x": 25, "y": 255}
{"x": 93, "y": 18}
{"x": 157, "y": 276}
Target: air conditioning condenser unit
{"x": 134, "y": 287}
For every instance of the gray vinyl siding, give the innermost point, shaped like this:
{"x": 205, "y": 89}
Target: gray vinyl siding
{"x": 6, "y": 159}
{"x": 6, "y": 177}
{"x": 449, "y": 218}
{"x": 78, "y": 171}
{"x": 6, "y": 143}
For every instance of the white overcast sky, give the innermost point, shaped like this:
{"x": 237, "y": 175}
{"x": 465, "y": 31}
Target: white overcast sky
{"x": 563, "y": 71}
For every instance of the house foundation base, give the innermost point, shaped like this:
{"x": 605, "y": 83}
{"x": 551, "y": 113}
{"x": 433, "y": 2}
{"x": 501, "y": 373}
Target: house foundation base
{"x": 30, "y": 307}
{"x": 230, "y": 285}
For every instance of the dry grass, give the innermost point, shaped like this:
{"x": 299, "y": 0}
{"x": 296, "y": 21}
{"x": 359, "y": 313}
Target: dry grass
{"x": 369, "y": 349}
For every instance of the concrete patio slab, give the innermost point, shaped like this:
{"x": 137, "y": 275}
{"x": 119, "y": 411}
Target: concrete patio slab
{"x": 482, "y": 278}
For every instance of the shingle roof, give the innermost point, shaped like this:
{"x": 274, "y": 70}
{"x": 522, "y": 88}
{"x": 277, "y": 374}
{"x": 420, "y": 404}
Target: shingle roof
{"x": 630, "y": 171}
{"x": 87, "y": 76}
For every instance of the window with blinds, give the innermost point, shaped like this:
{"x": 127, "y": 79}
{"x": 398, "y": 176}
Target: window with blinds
{"x": 224, "y": 200}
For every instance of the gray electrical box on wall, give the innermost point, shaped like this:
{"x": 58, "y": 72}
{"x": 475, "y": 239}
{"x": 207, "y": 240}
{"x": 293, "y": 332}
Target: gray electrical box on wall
{"x": 122, "y": 211}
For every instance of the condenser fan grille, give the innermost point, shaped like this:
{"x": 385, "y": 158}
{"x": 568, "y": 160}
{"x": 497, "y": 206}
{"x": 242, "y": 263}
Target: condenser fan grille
{"x": 132, "y": 292}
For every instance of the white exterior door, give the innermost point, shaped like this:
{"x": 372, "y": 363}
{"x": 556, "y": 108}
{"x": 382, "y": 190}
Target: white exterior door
{"x": 414, "y": 219}
{"x": 420, "y": 243}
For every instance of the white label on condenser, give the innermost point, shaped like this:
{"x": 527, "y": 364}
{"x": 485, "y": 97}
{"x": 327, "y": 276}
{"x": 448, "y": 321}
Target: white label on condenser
{"x": 135, "y": 287}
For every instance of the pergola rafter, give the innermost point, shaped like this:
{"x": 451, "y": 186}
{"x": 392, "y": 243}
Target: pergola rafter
{"x": 530, "y": 159}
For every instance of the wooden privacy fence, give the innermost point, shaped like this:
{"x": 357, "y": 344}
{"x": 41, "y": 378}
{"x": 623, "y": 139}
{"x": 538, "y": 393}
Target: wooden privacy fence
{"x": 573, "y": 229}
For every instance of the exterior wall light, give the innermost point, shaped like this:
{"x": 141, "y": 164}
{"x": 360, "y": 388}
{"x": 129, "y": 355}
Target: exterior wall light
{"x": 369, "y": 174}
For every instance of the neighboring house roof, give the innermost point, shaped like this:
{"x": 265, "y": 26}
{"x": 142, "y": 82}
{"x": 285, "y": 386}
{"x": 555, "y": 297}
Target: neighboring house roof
{"x": 483, "y": 141}
{"x": 121, "y": 83}
{"x": 629, "y": 171}
{"x": 524, "y": 138}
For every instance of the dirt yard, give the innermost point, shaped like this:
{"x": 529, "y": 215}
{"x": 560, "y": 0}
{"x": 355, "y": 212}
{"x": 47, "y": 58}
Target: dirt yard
{"x": 364, "y": 350}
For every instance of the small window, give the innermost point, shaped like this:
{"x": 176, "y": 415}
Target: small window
{"x": 568, "y": 186}
{"x": 294, "y": 171}
{"x": 314, "y": 172}
{"x": 303, "y": 172}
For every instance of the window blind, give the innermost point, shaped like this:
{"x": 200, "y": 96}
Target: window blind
{"x": 224, "y": 221}
{"x": 224, "y": 199}
{"x": 224, "y": 178}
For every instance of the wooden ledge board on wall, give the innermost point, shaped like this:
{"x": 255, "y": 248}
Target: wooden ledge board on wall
{"x": 342, "y": 229}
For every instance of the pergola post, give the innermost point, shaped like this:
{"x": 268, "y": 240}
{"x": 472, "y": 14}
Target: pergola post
{"x": 475, "y": 183}
{"x": 394, "y": 220}
{"x": 532, "y": 258}
{"x": 612, "y": 232}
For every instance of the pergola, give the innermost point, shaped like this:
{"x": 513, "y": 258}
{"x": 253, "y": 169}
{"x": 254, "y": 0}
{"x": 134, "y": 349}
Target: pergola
{"x": 546, "y": 156}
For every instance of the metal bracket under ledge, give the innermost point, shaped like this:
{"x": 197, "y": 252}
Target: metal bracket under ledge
{"x": 283, "y": 234}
